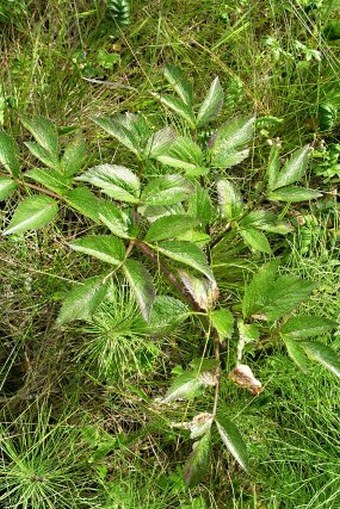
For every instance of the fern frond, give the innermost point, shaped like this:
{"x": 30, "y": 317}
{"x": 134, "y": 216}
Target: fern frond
{"x": 120, "y": 11}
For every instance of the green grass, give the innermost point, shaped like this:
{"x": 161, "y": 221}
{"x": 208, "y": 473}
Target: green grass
{"x": 79, "y": 426}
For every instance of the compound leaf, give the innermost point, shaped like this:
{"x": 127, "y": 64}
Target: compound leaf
{"x": 223, "y": 322}
{"x": 232, "y": 439}
{"x": 7, "y": 186}
{"x": 182, "y": 87}
{"x": 303, "y": 326}
{"x": 293, "y": 169}
{"x": 9, "y": 154}
{"x": 322, "y": 354}
{"x": 187, "y": 253}
{"x": 198, "y": 462}
{"x": 168, "y": 227}
{"x": 31, "y": 214}
{"x": 104, "y": 247}
{"x": 141, "y": 284}
{"x": 212, "y": 104}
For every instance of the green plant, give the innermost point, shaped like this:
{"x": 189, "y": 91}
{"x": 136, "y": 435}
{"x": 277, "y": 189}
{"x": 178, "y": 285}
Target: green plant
{"x": 120, "y": 11}
{"x": 169, "y": 224}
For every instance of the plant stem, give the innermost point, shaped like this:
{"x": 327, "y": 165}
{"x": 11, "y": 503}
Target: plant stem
{"x": 218, "y": 370}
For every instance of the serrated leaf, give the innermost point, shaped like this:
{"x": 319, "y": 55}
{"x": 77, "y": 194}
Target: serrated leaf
{"x": 204, "y": 291}
{"x": 187, "y": 253}
{"x": 166, "y": 313}
{"x": 322, "y": 354}
{"x": 179, "y": 107}
{"x": 141, "y": 284}
{"x": 50, "y": 179}
{"x": 255, "y": 295}
{"x": 182, "y": 87}
{"x": 44, "y": 132}
{"x": 117, "y": 182}
{"x": 9, "y": 154}
{"x": 198, "y": 462}
{"x": 160, "y": 142}
{"x": 185, "y": 386}
{"x": 81, "y": 302}
{"x": 256, "y": 240}
{"x": 74, "y": 157}
{"x": 183, "y": 153}
{"x": 273, "y": 166}
{"x": 212, "y": 104}
{"x": 293, "y": 169}
{"x": 303, "y": 326}
{"x": 232, "y": 439}
{"x": 7, "y": 186}
{"x": 229, "y": 199}
{"x": 294, "y": 194}
{"x": 223, "y": 321}
{"x": 48, "y": 159}
{"x": 166, "y": 190}
{"x": 168, "y": 227}
{"x": 285, "y": 294}
{"x": 199, "y": 205}
{"x": 265, "y": 220}
{"x": 104, "y": 247}
{"x": 114, "y": 219}
{"x": 85, "y": 202}
{"x": 227, "y": 144}
{"x": 31, "y": 214}
{"x": 296, "y": 353}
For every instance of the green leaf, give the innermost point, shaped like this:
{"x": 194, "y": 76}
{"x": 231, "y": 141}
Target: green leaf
{"x": 293, "y": 169}
{"x": 141, "y": 283}
{"x": 256, "y": 240}
{"x": 81, "y": 302}
{"x": 198, "y": 462}
{"x": 296, "y": 353}
{"x": 303, "y": 326}
{"x": 85, "y": 202}
{"x": 169, "y": 227}
{"x": 9, "y": 154}
{"x": 199, "y": 205}
{"x": 166, "y": 313}
{"x": 117, "y": 182}
{"x": 230, "y": 200}
{"x": 187, "y": 253}
{"x": 232, "y": 439}
{"x": 114, "y": 219}
{"x": 44, "y": 133}
{"x": 160, "y": 142}
{"x": 265, "y": 220}
{"x": 227, "y": 144}
{"x": 74, "y": 157}
{"x": 50, "y": 179}
{"x": 179, "y": 107}
{"x": 177, "y": 80}
{"x": 255, "y": 295}
{"x": 322, "y": 354}
{"x": 31, "y": 214}
{"x": 294, "y": 194}
{"x": 284, "y": 295}
{"x": 223, "y": 321}
{"x": 184, "y": 153}
{"x": 104, "y": 247}
{"x": 273, "y": 167}
{"x": 212, "y": 104}
{"x": 7, "y": 186}
{"x": 204, "y": 291}
{"x": 43, "y": 155}
{"x": 166, "y": 190}
{"x": 185, "y": 386}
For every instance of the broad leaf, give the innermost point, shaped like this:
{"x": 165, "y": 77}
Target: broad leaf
{"x": 48, "y": 159}
{"x": 7, "y": 186}
{"x": 273, "y": 166}
{"x": 31, "y": 214}
{"x": 44, "y": 133}
{"x": 117, "y": 182}
{"x": 223, "y": 321}
{"x": 293, "y": 169}
{"x": 74, "y": 157}
{"x": 160, "y": 142}
{"x": 255, "y": 295}
{"x": 204, "y": 291}
{"x": 168, "y": 227}
{"x": 177, "y": 80}
{"x": 198, "y": 462}
{"x": 265, "y": 220}
{"x": 199, "y": 205}
{"x": 184, "y": 153}
{"x": 232, "y": 439}
{"x": 50, "y": 179}
{"x": 322, "y": 354}
{"x": 179, "y": 107}
{"x": 166, "y": 313}
{"x": 85, "y": 202}
{"x": 185, "y": 386}
{"x": 285, "y": 294}
{"x": 227, "y": 144}
{"x": 303, "y": 326}
{"x": 104, "y": 247}
{"x": 83, "y": 300}
{"x": 9, "y": 154}
{"x": 229, "y": 199}
{"x": 187, "y": 253}
{"x": 166, "y": 190}
{"x": 114, "y": 219}
{"x": 212, "y": 104}
{"x": 296, "y": 353}
{"x": 141, "y": 284}
{"x": 294, "y": 194}
{"x": 256, "y": 240}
